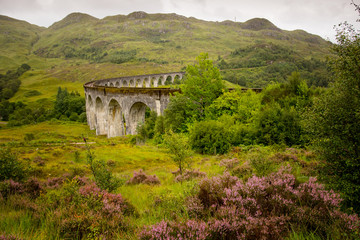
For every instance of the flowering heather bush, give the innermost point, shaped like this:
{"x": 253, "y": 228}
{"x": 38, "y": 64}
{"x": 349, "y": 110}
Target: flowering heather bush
{"x": 243, "y": 171}
{"x": 282, "y": 157}
{"x": 188, "y": 175}
{"x": 269, "y": 207}
{"x": 9, "y": 237}
{"x": 141, "y": 177}
{"x": 32, "y": 187}
{"x": 86, "y": 211}
{"x": 176, "y": 231}
{"x": 9, "y": 187}
{"x": 54, "y": 183}
{"x": 211, "y": 193}
{"x": 229, "y": 163}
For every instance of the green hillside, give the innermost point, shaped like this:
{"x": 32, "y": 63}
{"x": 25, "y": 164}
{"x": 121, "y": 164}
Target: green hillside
{"x": 16, "y": 41}
{"x": 80, "y": 48}
{"x": 163, "y": 38}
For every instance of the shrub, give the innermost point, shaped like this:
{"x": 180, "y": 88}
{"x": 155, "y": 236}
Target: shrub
{"x": 103, "y": 177}
{"x": 210, "y": 137}
{"x": 82, "y": 117}
{"x": 77, "y": 171}
{"x": 10, "y": 166}
{"x": 9, "y": 237}
{"x": 177, "y": 145}
{"x": 82, "y": 210}
{"x": 54, "y": 183}
{"x": 188, "y": 175}
{"x": 174, "y": 231}
{"x": 32, "y": 188}
{"x": 211, "y": 191}
{"x": 277, "y": 125}
{"x": 32, "y": 93}
{"x": 10, "y": 187}
{"x": 111, "y": 163}
{"x": 270, "y": 207}
{"x": 146, "y": 130}
{"x": 260, "y": 163}
{"x": 74, "y": 117}
{"x": 28, "y": 137}
{"x": 77, "y": 156}
{"x": 229, "y": 163}
{"x": 141, "y": 177}
{"x": 243, "y": 171}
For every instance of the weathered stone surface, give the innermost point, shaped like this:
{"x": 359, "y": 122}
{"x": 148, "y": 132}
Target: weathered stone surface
{"x": 114, "y": 107}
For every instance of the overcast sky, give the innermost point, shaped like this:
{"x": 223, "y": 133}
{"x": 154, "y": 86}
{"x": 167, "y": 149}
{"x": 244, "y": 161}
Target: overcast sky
{"x": 314, "y": 16}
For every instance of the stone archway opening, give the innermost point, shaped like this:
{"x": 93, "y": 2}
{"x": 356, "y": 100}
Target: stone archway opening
{"x": 168, "y": 80}
{"x": 161, "y": 81}
{"x": 100, "y": 122}
{"x": 177, "y": 79}
{"x": 115, "y": 119}
{"x": 152, "y": 82}
{"x": 146, "y": 82}
{"x": 136, "y": 116}
{"x": 132, "y": 83}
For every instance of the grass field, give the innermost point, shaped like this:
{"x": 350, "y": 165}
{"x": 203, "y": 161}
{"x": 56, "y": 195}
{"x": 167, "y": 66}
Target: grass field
{"x": 58, "y": 149}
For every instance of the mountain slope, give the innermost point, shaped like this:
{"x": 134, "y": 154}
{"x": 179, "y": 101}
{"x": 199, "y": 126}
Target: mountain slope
{"x": 16, "y": 41}
{"x": 80, "y": 48}
{"x": 163, "y": 38}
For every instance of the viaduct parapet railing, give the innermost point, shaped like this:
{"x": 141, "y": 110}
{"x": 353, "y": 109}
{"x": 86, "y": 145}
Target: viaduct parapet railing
{"x": 142, "y": 81}
{"x": 115, "y": 107}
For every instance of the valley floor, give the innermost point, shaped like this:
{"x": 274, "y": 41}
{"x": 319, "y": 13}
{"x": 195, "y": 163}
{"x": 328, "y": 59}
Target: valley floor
{"x": 56, "y": 150}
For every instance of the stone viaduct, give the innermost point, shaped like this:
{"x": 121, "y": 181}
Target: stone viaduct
{"x": 114, "y": 107}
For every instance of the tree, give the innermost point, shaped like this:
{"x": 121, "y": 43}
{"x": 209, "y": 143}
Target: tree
{"x": 241, "y": 105}
{"x": 178, "y": 147}
{"x": 203, "y": 83}
{"x": 334, "y": 120}
{"x": 179, "y": 113}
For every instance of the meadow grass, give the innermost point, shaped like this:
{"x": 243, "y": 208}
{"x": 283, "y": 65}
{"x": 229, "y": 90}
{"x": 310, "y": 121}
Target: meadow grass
{"x": 58, "y": 149}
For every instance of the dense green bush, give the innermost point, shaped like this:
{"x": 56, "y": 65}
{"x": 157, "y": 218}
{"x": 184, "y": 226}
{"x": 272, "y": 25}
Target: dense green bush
{"x": 210, "y": 137}
{"x": 276, "y": 125}
{"x": 241, "y": 105}
{"x": 10, "y": 166}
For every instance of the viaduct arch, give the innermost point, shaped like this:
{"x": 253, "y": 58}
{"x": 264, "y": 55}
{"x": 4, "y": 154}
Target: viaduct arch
{"x": 114, "y": 107}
